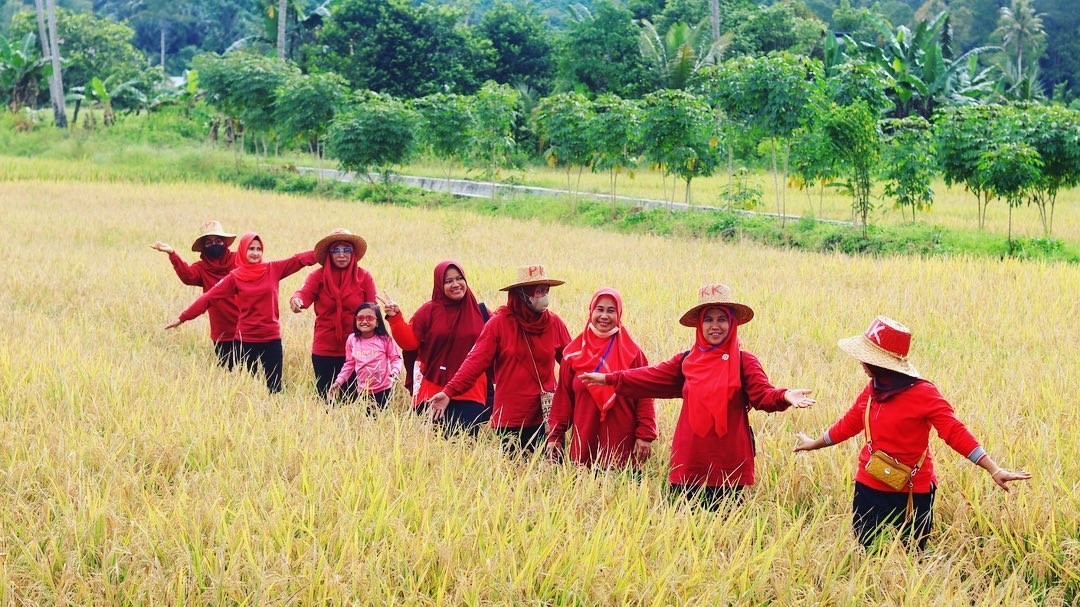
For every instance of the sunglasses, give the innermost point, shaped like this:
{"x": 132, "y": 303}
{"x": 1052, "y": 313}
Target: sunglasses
{"x": 365, "y": 318}
{"x": 341, "y": 250}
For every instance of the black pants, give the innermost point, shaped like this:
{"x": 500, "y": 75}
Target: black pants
{"x": 521, "y": 441}
{"x": 270, "y": 355}
{"x": 873, "y": 511}
{"x": 326, "y": 371}
{"x": 465, "y": 416}
{"x": 228, "y": 353}
{"x": 710, "y": 498}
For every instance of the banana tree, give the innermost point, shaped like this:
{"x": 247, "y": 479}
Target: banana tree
{"x": 103, "y": 92}
{"x": 21, "y": 68}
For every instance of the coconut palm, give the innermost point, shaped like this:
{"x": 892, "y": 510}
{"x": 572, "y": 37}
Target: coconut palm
{"x": 682, "y": 52}
{"x": 1021, "y": 28}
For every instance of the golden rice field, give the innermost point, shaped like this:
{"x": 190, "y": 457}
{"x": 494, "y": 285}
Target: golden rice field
{"x": 133, "y": 471}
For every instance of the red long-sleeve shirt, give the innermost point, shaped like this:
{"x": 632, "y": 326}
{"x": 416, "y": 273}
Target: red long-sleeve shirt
{"x": 334, "y": 324}
{"x": 900, "y": 426}
{"x": 607, "y": 443}
{"x": 256, "y": 301}
{"x": 222, "y": 312}
{"x": 517, "y": 390}
{"x": 707, "y": 460}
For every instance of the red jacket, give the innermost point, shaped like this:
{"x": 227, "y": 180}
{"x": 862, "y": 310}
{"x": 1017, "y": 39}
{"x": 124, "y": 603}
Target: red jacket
{"x": 611, "y": 443}
{"x": 333, "y": 325}
{"x": 900, "y": 426}
{"x": 710, "y": 460}
{"x": 257, "y": 301}
{"x": 517, "y": 390}
{"x": 206, "y": 273}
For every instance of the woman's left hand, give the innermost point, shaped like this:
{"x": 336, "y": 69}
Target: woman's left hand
{"x": 593, "y": 379}
{"x": 799, "y": 398}
{"x": 1003, "y": 476}
{"x": 642, "y": 450}
{"x": 174, "y": 324}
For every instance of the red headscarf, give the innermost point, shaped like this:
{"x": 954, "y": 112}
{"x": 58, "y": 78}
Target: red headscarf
{"x": 713, "y": 376}
{"x": 451, "y": 327}
{"x": 593, "y": 352}
{"x": 526, "y": 317}
{"x": 245, "y": 270}
{"x": 337, "y": 284}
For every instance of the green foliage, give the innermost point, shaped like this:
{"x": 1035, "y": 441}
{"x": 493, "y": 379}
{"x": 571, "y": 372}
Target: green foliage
{"x": 1010, "y": 171}
{"x": 962, "y": 135}
{"x": 600, "y": 53}
{"x": 523, "y": 46}
{"x": 854, "y": 137}
{"x": 681, "y": 134}
{"x": 740, "y": 194}
{"x": 615, "y": 135}
{"x": 21, "y": 69}
{"x": 784, "y": 26}
{"x": 681, "y": 53}
{"x": 377, "y": 133}
{"x": 305, "y": 105}
{"x": 768, "y": 95}
{"x": 562, "y": 123}
{"x": 1054, "y": 132}
{"x": 90, "y": 46}
{"x": 244, "y": 86}
{"x": 495, "y": 116}
{"x": 909, "y": 163}
{"x": 446, "y": 122}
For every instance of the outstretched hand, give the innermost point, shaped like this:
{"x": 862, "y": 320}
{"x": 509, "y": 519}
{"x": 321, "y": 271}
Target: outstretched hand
{"x": 174, "y": 324}
{"x": 161, "y": 246}
{"x": 803, "y": 442}
{"x": 1003, "y": 476}
{"x": 799, "y": 398}
{"x": 593, "y": 379}
{"x": 437, "y": 405}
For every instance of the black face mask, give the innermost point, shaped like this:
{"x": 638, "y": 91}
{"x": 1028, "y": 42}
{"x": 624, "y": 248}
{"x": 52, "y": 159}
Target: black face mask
{"x": 214, "y": 251}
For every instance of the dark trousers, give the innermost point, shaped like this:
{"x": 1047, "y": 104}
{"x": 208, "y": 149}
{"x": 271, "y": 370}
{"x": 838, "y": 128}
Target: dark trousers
{"x": 710, "y": 498}
{"x": 465, "y": 417}
{"x": 326, "y": 371}
{"x": 228, "y": 353}
{"x": 376, "y": 401}
{"x": 270, "y": 355}
{"x": 521, "y": 441}
{"x": 873, "y": 511}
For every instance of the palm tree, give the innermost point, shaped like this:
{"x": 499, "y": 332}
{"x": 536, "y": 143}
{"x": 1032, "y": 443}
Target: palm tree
{"x": 282, "y": 12}
{"x": 1020, "y": 27}
{"x": 46, "y": 15}
{"x": 681, "y": 52}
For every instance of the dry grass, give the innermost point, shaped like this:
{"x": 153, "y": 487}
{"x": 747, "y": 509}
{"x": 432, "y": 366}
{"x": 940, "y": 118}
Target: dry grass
{"x": 132, "y": 471}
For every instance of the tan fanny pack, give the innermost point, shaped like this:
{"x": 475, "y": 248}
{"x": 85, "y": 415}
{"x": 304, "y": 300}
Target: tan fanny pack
{"x": 887, "y": 468}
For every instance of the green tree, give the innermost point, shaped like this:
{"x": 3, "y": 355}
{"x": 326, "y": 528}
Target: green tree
{"x": 962, "y": 134}
{"x": 522, "y": 45}
{"x": 378, "y": 133}
{"x": 1010, "y": 171}
{"x": 615, "y": 134}
{"x": 305, "y": 105}
{"x": 1053, "y": 132}
{"x": 600, "y": 53}
{"x": 680, "y": 134}
{"x": 681, "y": 53}
{"x": 853, "y": 134}
{"x": 21, "y": 69}
{"x": 909, "y": 164}
{"x": 446, "y": 124}
{"x": 495, "y": 115}
{"x": 784, "y": 26}
{"x": 1021, "y": 29}
{"x": 561, "y": 122}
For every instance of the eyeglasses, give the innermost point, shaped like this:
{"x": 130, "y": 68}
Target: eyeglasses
{"x": 365, "y": 318}
{"x": 341, "y": 250}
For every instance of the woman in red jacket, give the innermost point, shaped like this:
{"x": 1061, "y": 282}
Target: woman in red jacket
{"x": 900, "y": 408}
{"x": 215, "y": 262}
{"x": 610, "y": 431}
{"x": 254, "y": 285}
{"x": 712, "y": 451}
{"x": 442, "y": 332}
{"x": 523, "y": 340}
{"x": 336, "y": 289}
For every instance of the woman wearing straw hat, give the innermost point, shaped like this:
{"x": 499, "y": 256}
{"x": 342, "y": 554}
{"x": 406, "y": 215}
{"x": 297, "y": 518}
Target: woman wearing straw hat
{"x": 523, "y": 340}
{"x": 215, "y": 262}
{"x": 442, "y": 332}
{"x": 254, "y": 286}
{"x": 712, "y": 450}
{"x": 335, "y": 289}
{"x": 610, "y": 431}
{"x": 895, "y": 412}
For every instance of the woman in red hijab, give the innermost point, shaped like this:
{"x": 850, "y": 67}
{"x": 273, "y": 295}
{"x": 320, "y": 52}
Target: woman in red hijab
{"x": 523, "y": 341}
{"x": 712, "y": 451}
{"x": 610, "y": 431}
{"x": 336, "y": 290}
{"x": 442, "y": 332}
{"x": 254, "y": 285}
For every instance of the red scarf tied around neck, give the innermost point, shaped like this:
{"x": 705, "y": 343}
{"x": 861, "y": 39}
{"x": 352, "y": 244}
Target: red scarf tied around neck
{"x": 337, "y": 284}
{"x": 713, "y": 377}
{"x": 593, "y": 352}
{"x": 462, "y": 321}
{"x": 245, "y": 270}
{"x": 530, "y": 321}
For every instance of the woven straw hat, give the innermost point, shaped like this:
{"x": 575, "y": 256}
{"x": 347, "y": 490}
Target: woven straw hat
{"x": 717, "y": 295}
{"x": 885, "y": 344}
{"x": 534, "y": 274}
{"x": 359, "y": 245}
{"x": 212, "y": 228}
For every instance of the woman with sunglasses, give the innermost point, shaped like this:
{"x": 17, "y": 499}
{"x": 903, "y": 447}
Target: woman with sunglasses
{"x": 336, "y": 290}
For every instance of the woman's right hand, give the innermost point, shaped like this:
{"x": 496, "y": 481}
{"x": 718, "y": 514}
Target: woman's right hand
{"x": 593, "y": 379}
{"x": 296, "y": 305}
{"x": 332, "y": 393}
{"x": 174, "y": 324}
{"x": 161, "y": 246}
{"x": 437, "y": 405}
{"x": 553, "y": 452}
{"x": 391, "y": 309}
{"x": 803, "y": 442}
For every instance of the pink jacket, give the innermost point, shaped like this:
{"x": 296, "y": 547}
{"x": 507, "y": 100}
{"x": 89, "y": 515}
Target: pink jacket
{"x": 376, "y": 361}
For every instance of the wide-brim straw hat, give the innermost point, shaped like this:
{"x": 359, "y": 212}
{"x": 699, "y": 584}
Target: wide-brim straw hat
{"x": 534, "y": 274}
{"x": 212, "y": 228}
{"x": 717, "y": 295}
{"x": 340, "y": 235}
{"x": 885, "y": 343}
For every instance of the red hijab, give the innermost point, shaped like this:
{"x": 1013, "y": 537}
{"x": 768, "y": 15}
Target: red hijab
{"x": 451, "y": 327}
{"x": 594, "y": 352}
{"x": 336, "y": 285}
{"x": 245, "y": 270}
{"x": 713, "y": 377}
{"x": 529, "y": 321}
{"x": 220, "y": 267}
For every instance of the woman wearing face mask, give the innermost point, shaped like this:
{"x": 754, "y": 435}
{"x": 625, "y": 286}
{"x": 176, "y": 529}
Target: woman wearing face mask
{"x": 335, "y": 289}
{"x": 442, "y": 332}
{"x": 610, "y": 431}
{"x": 215, "y": 262}
{"x": 712, "y": 451}
{"x": 254, "y": 286}
{"x": 523, "y": 340}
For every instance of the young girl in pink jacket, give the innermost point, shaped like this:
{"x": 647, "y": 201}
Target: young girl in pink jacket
{"x": 372, "y": 359}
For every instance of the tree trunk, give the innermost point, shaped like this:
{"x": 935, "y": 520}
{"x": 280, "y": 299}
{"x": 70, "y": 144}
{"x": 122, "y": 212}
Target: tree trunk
{"x": 56, "y": 82}
{"x": 714, "y": 12}
{"x": 282, "y": 11}
{"x": 161, "y": 27}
